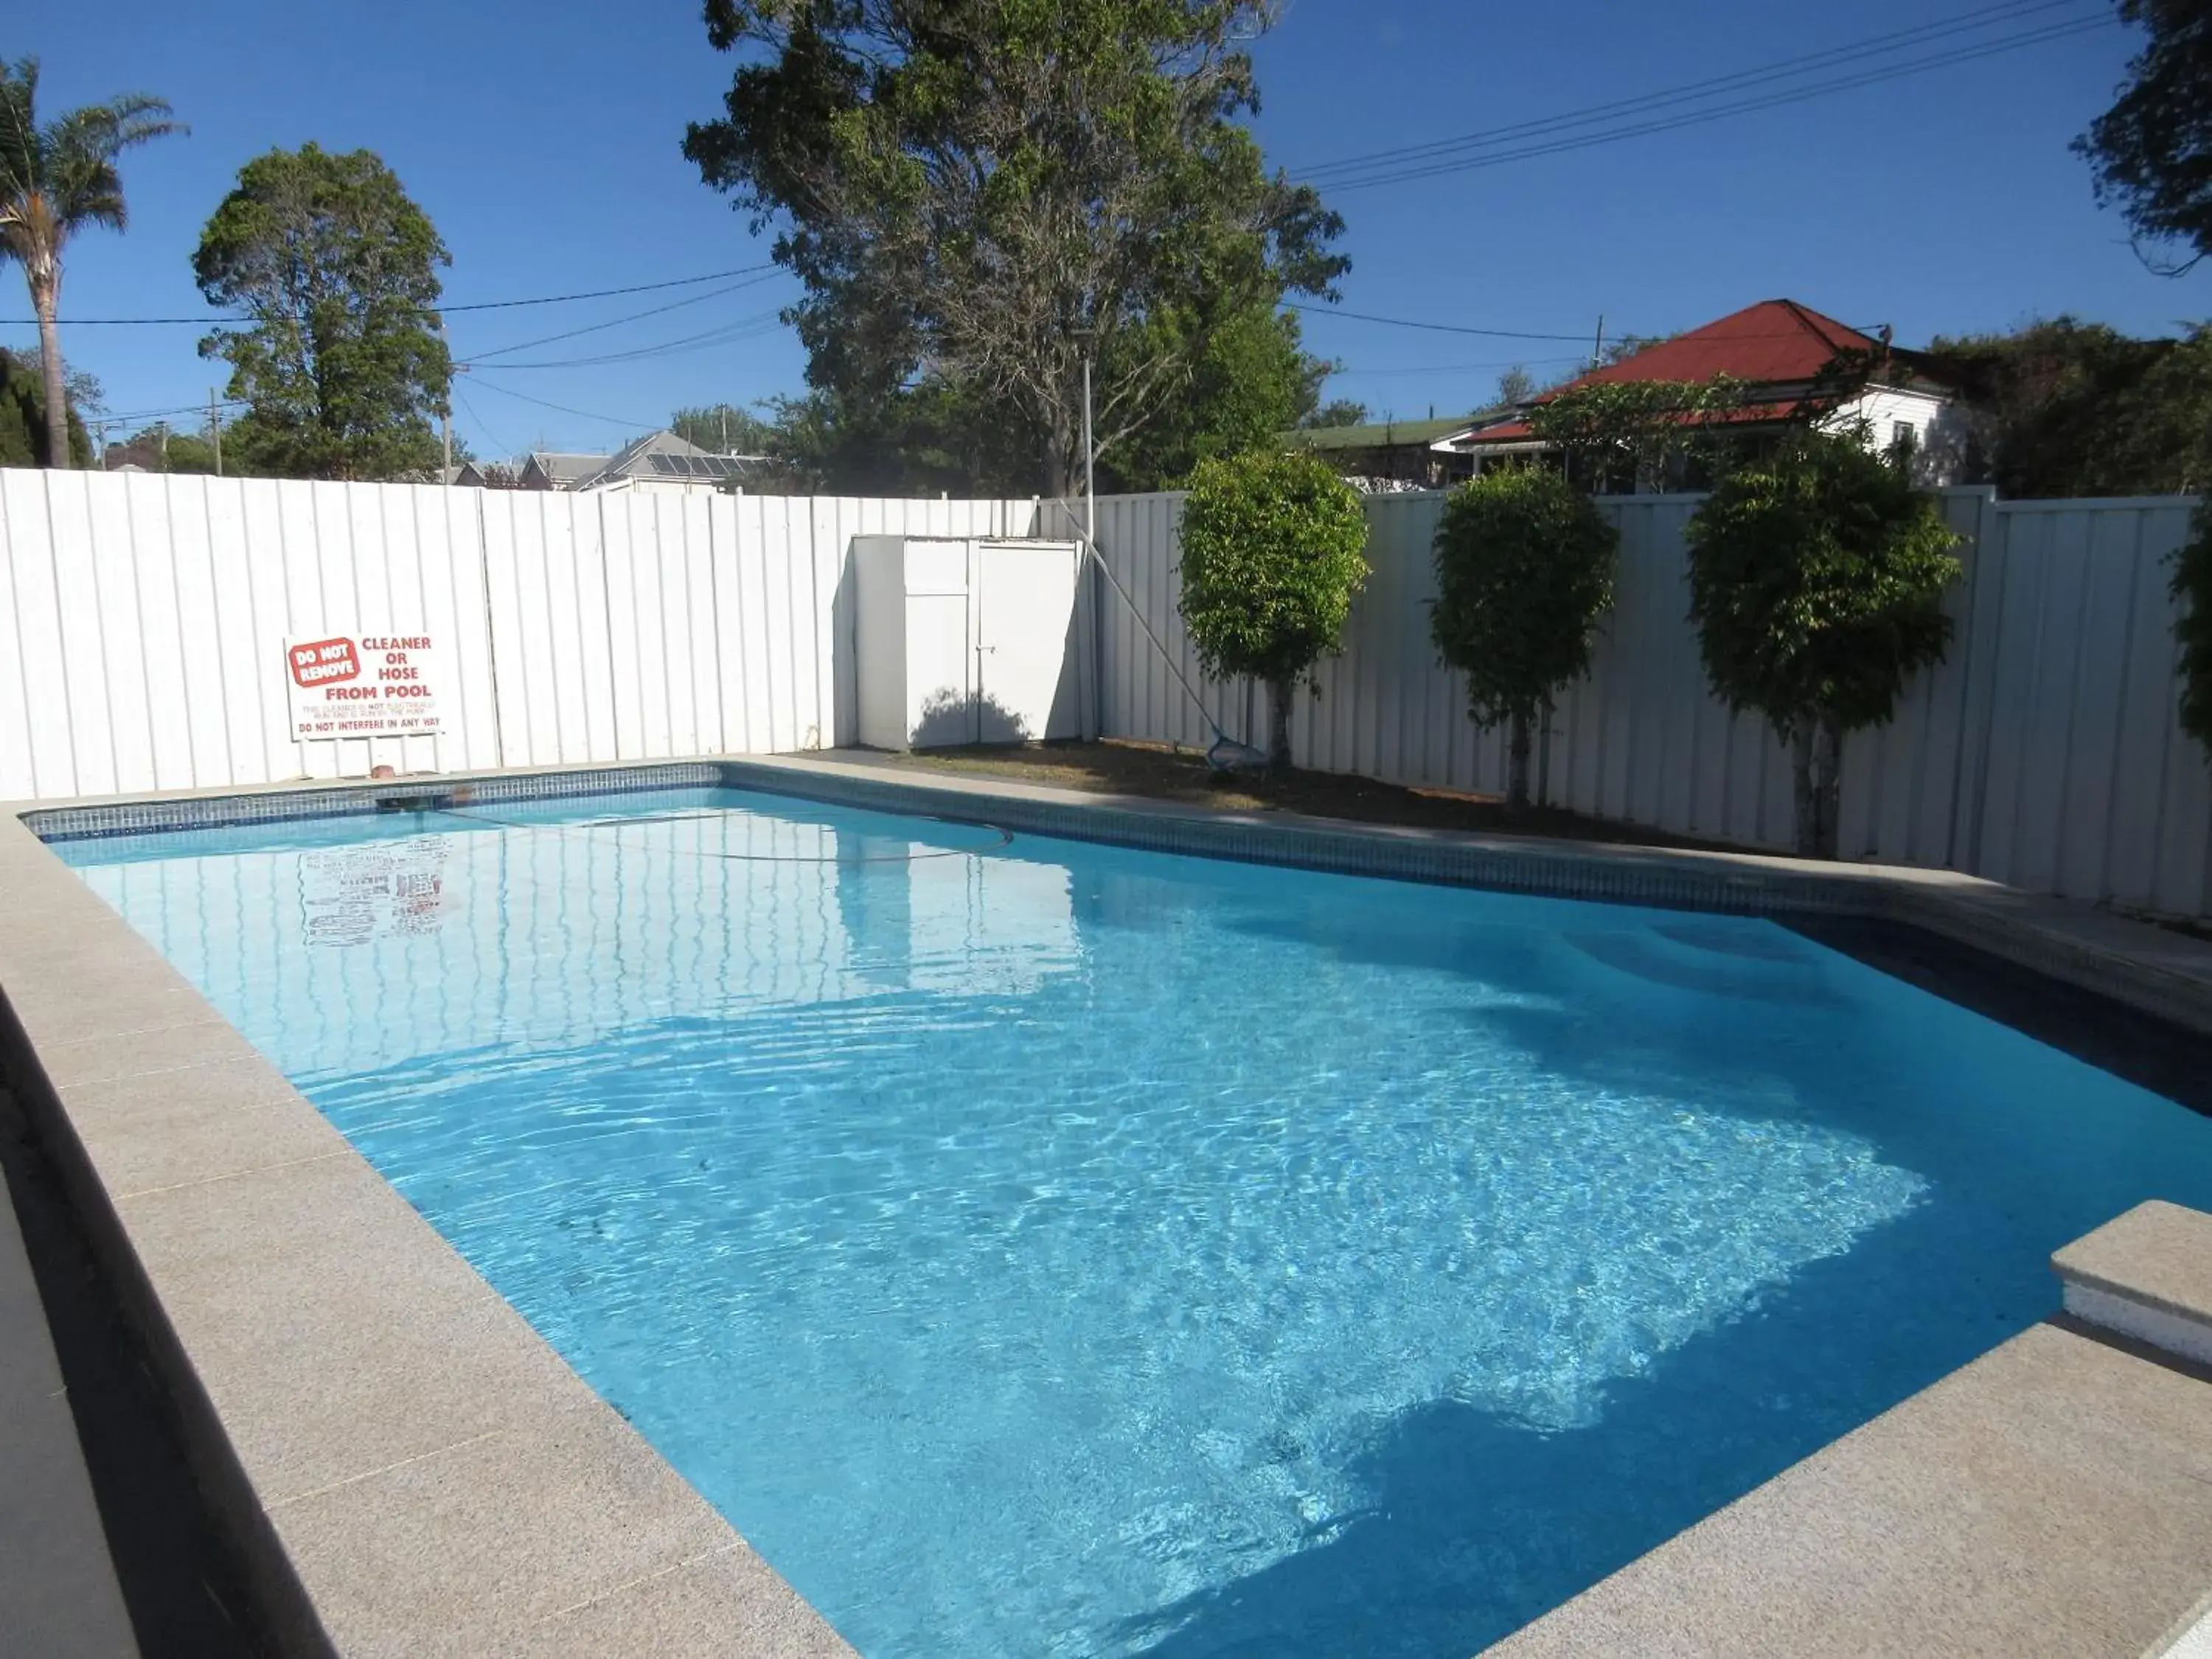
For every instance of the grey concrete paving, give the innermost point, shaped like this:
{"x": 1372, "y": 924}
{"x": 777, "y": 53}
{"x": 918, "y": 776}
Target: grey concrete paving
{"x": 2157, "y": 1254}
{"x": 2052, "y": 1500}
{"x": 2147, "y": 1276}
{"x": 59, "y": 1598}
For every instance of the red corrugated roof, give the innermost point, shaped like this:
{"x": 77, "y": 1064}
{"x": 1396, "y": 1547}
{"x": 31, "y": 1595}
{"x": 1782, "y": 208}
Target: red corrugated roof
{"x": 1775, "y": 343}
{"x": 1773, "y": 340}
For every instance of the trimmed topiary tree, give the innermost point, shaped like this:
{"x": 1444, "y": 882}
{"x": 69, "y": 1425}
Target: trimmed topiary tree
{"x": 1524, "y": 568}
{"x": 2191, "y": 588}
{"x": 1816, "y": 584}
{"x": 1271, "y": 559}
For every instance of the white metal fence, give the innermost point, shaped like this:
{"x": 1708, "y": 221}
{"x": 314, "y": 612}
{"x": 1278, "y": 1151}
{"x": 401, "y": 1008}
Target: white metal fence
{"x": 143, "y": 620}
{"x": 2045, "y": 752}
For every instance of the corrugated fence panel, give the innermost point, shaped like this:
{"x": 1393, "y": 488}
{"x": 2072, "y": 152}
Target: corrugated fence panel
{"x": 143, "y": 620}
{"x": 2046, "y": 751}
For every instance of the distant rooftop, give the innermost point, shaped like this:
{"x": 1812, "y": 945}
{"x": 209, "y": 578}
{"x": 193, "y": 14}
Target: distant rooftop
{"x": 1775, "y": 343}
{"x": 565, "y": 470}
{"x": 1376, "y": 434}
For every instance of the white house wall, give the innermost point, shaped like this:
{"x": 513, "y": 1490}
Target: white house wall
{"x": 1939, "y": 434}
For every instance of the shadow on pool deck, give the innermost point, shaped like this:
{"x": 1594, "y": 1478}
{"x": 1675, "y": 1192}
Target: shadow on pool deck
{"x": 1477, "y": 1524}
{"x": 182, "y": 1588}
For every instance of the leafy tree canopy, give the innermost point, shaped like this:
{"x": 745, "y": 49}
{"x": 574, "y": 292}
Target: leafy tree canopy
{"x": 1516, "y": 385}
{"x": 2151, "y": 153}
{"x": 976, "y": 192}
{"x": 2192, "y": 629}
{"x": 161, "y": 449}
{"x": 56, "y": 179}
{"x": 918, "y": 440}
{"x": 1272, "y": 556}
{"x": 1337, "y": 412}
{"x": 342, "y": 366}
{"x": 1524, "y": 569}
{"x": 1250, "y": 380}
{"x": 23, "y": 431}
{"x": 2064, "y": 407}
{"x": 1637, "y": 435}
{"x": 1816, "y": 582}
{"x": 724, "y": 428}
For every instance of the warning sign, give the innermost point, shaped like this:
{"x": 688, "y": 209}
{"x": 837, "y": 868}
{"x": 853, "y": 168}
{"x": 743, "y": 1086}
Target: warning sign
{"x": 380, "y": 685}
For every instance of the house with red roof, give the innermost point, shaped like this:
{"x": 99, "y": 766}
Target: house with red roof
{"x": 1795, "y": 365}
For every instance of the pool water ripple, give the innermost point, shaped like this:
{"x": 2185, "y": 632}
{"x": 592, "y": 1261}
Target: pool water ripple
{"x": 1076, "y": 1251}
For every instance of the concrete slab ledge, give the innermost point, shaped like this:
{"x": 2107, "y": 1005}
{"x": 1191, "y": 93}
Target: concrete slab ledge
{"x": 412, "y": 1468}
{"x": 2147, "y": 1276}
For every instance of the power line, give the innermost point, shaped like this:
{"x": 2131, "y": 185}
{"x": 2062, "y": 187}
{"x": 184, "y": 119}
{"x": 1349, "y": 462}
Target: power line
{"x": 1458, "y": 368}
{"x": 1875, "y": 45}
{"x": 743, "y": 328}
{"x": 1438, "y": 328}
{"x": 563, "y": 408}
{"x": 611, "y": 293}
{"x": 205, "y": 318}
{"x": 1775, "y": 100}
{"x": 200, "y": 408}
{"x": 491, "y": 437}
{"x": 614, "y": 322}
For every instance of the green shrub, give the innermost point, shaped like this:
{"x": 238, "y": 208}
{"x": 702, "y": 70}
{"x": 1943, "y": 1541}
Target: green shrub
{"x": 1524, "y": 568}
{"x": 1271, "y": 559}
{"x": 2192, "y": 628}
{"x": 1816, "y": 584}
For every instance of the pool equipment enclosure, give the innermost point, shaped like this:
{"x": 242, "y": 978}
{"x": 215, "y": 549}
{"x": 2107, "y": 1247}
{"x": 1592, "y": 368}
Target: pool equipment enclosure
{"x": 967, "y": 640}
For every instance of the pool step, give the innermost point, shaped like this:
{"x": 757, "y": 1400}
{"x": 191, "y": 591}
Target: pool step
{"x": 2147, "y": 1276}
{"x": 1696, "y": 966}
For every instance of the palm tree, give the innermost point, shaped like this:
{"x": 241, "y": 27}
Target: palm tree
{"x": 53, "y": 180}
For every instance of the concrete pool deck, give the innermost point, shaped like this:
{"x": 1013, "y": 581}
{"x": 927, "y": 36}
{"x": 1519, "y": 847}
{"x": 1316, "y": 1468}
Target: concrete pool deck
{"x": 412, "y": 1470}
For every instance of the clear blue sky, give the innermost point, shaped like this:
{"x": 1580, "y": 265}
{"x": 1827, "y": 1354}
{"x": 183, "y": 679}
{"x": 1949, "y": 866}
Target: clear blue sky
{"x": 543, "y": 139}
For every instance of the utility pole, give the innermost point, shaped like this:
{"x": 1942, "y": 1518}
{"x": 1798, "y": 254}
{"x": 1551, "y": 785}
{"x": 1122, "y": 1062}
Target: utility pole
{"x": 214, "y": 433}
{"x": 446, "y": 415}
{"x": 1090, "y": 458}
{"x": 1597, "y": 351}
{"x": 99, "y": 442}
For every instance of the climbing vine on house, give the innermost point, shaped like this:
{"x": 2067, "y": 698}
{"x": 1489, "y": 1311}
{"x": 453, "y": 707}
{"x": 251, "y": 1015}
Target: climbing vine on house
{"x": 1631, "y": 434}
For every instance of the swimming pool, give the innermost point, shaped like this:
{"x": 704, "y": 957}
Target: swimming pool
{"x": 1035, "y": 1246}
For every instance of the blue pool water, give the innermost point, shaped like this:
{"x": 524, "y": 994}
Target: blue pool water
{"x": 1042, "y": 1247}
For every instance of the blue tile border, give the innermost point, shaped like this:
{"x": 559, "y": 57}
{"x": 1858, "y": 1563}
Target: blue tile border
{"x": 354, "y": 801}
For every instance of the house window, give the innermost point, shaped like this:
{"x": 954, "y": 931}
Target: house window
{"x": 1902, "y": 435}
